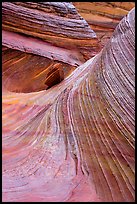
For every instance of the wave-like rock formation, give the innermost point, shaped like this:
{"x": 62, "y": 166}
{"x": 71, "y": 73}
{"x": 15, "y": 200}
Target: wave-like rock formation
{"x": 103, "y": 17}
{"x": 75, "y": 141}
{"x": 45, "y": 29}
{"x": 53, "y": 22}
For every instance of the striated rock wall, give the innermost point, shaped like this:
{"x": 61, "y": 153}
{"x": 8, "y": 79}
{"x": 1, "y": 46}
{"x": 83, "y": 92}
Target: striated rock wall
{"x": 103, "y": 17}
{"x": 75, "y": 141}
{"x": 57, "y": 23}
{"x": 52, "y": 34}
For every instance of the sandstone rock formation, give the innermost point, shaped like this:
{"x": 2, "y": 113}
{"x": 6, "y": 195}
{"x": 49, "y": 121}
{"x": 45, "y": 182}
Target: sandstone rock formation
{"x": 48, "y": 29}
{"x": 103, "y": 16}
{"x": 74, "y": 141}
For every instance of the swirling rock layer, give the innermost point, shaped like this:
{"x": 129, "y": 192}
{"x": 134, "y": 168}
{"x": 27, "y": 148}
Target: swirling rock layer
{"x": 75, "y": 141}
{"x": 103, "y": 17}
{"x": 53, "y": 22}
{"x": 44, "y": 32}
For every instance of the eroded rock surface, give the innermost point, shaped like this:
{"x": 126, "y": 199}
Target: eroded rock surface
{"x": 24, "y": 72}
{"x": 103, "y": 17}
{"x": 51, "y": 32}
{"x": 75, "y": 141}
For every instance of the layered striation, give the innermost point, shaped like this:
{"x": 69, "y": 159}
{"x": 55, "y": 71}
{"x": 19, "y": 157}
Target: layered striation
{"x": 103, "y": 17}
{"x": 75, "y": 141}
{"x": 53, "y": 22}
{"x": 52, "y": 34}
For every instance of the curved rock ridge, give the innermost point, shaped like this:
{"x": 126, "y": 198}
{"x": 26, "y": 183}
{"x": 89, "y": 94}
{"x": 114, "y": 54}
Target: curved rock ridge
{"x": 75, "y": 141}
{"x": 103, "y": 17}
{"x": 52, "y": 34}
{"x": 57, "y": 23}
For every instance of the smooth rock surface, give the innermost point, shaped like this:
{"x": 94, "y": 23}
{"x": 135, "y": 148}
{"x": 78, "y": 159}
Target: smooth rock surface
{"x": 24, "y": 72}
